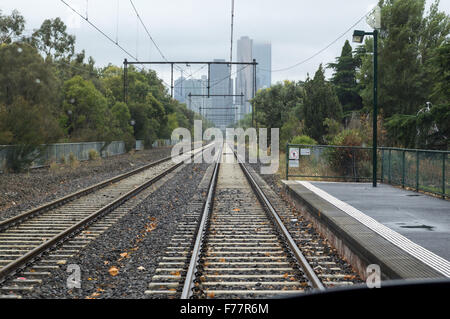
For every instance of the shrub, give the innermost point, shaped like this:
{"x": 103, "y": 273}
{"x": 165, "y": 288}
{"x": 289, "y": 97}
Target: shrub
{"x": 349, "y": 161}
{"x": 73, "y": 161}
{"x": 93, "y": 155}
{"x": 53, "y": 166}
{"x": 304, "y": 140}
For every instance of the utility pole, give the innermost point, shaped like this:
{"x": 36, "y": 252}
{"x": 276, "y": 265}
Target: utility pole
{"x": 254, "y": 93}
{"x": 358, "y": 37}
{"x": 232, "y": 25}
{"x": 125, "y": 81}
{"x": 375, "y": 106}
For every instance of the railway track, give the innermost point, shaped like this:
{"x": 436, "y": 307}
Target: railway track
{"x": 241, "y": 247}
{"x": 39, "y": 240}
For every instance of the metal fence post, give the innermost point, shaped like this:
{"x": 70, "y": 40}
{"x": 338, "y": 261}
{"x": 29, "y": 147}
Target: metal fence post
{"x": 287, "y": 161}
{"x": 444, "y": 155}
{"x": 417, "y": 170}
{"x": 382, "y": 165}
{"x": 403, "y": 169}
{"x": 389, "y": 166}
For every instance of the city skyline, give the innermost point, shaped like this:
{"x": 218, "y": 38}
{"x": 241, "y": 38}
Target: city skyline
{"x": 241, "y": 81}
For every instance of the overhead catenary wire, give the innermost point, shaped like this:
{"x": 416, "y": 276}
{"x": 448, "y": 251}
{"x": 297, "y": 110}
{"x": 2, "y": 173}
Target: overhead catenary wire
{"x": 320, "y": 51}
{"x": 150, "y": 37}
{"x": 108, "y": 37}
{"x": 99, "y": 30}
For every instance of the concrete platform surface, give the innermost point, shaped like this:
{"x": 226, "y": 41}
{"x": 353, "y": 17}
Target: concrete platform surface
{"x": 407, "y": 234}
{"x": 421, "y": 218}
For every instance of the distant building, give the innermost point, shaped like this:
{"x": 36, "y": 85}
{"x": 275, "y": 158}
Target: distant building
{"x": 244, "y": 75}
{"x": 221, "y": 112}
{"x": 262, "y": 53}
{"x": 247, "y": 50}
{"x": 184, "y": 87}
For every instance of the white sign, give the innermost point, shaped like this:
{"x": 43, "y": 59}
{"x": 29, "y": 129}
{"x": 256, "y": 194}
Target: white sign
{"x": 293, "y": 154}
{"x": 373, "y": 19}
{"x": 305, "y": 151}
{"x": 293, "y": 163}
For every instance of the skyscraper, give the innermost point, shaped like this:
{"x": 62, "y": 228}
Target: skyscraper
{"x": 244, "y": 76}
{"x": 262, "y": 53}
{"x": 247, "y": 50}
{"x": 221, "y": 112}
{"x": 184, "y": 87}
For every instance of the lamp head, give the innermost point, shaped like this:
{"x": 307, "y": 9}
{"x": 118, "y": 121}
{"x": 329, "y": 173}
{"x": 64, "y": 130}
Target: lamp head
{"x": 358, "y": 36}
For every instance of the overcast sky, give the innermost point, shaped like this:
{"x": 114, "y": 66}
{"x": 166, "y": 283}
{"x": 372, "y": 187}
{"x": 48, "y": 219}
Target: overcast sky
{"x": 199, "y": 30}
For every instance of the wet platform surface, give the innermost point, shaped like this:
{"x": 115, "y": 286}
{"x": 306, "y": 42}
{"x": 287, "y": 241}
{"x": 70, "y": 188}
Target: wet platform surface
{"x": 406, "y": 233}
{"x": 419, "y": 217}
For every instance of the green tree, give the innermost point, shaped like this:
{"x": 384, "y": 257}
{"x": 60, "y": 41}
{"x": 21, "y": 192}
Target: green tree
{"x": 86, "y": 115}
{"x": 278, "y": 105}
{"x": 26, "y": 126}
{"x": 320, "y": 103}
{"x": 120, "y": 126}
{"x": 408, "y": 50}
{"x": 344, "y": 79}
{"x": 24, "y": 73}
{"x": 401, "y": 79}
{"x": 53, "y": 40}
{"x": 11, "y": 27}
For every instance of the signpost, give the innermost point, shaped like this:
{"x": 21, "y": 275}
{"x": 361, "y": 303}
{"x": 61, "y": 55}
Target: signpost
{"x": 294, "y": 157}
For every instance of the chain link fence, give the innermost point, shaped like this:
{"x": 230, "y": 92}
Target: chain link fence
{"x": 61, "y": 152}
{"x": 421, "y": 170}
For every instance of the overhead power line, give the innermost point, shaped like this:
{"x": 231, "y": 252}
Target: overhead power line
{"x": 146, "y": 30}
{"x": 320, "y": 51}
{"x": 108, "y": 37}
{"x": 150, "y": 37}
{"x": 98, "y": 29}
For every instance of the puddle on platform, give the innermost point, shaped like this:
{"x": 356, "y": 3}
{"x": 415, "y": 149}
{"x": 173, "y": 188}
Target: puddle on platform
{"x": 418, "y": 226}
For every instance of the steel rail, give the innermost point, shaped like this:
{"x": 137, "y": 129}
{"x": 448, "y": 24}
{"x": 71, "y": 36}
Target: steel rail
{"x": 60, "y": 201}
{"x": 58, "y": 239}
{"x": 315, "y": 281}
{"x": 189, "y": 282}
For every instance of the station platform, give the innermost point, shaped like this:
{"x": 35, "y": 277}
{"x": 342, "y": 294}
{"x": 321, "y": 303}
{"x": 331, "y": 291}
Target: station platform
{"x": 406, "y": 233}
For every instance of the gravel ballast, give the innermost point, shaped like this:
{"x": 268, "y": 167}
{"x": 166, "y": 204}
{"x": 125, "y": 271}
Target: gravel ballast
{"x": 134, "y": 245}
{"x": 301, "y": 223}
{"x": 22, "y": 191}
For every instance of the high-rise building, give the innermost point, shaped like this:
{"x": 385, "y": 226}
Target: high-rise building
{"x": 247, "y": 50}
{"x": 262, "y": 53}
{"x": 244, "y": 75}
{"x": 184, "y": 89}
{"x": 221, "y": 112}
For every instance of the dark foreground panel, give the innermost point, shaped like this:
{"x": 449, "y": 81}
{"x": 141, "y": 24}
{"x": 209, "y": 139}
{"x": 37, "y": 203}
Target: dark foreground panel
{"x": 394, "y": 298}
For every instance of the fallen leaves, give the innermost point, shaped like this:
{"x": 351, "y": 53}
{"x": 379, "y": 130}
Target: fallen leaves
{"x": 113, "y": 271}
{"x": 149, "y": 227}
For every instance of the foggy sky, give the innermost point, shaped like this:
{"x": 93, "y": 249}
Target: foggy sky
{"x": 199, "y": 30}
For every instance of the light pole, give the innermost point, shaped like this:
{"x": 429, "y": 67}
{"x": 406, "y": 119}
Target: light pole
{"x": 358, "y": 36}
